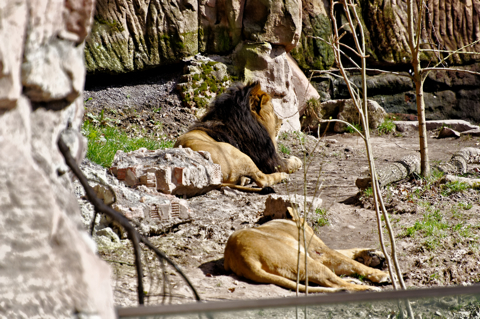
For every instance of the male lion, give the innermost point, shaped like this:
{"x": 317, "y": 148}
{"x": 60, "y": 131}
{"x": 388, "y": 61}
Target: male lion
{"x": 268, "y": 254}
{"x": 239, "y": 131}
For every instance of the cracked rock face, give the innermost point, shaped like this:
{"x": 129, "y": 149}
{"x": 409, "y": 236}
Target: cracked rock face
{"x": 178, "y": 171}
{"x": 153, "y": 212}
{"x": 49, "y": 266}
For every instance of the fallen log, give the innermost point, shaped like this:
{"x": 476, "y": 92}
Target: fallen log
{"x": 458, "y": 162}
{"x": 410, "y": 164}
{"x": 393, "y": 172}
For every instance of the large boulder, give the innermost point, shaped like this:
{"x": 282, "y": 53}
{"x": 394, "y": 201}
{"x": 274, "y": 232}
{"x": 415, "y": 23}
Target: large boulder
{"x": 151, "y": 211}
{"x": 344, "y": 110}
{"x": 269, "y": 65}
{"x": 49, "y": 265}
{"x": 178, "y": 171}
{"x": 275, "y": 22}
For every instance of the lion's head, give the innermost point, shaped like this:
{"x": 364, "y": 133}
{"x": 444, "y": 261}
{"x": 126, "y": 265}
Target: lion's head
{"x": 262, "y": 108}
{"x": 244, "y": 117}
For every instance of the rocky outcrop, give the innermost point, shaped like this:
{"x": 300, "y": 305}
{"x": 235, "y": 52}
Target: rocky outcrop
{"x": 49, "y": 265}
{"x": 343, "y": 110}
{"x": 447, "y": 94}
{"x": 178, "y": 171}
{"x": 151, "y": 211}
{"x": 446, "y": 25}
{"x": 311, "y": 53}
{"x": 128, "y": 36}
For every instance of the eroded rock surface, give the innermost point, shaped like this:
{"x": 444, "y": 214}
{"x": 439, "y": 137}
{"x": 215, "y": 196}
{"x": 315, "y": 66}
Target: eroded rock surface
{"x": 49, "y": 265}
{"x": 178, "y": 171}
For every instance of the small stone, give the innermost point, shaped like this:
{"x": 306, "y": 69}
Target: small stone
{"x": 331, "y": 141}
{"x": 448, "y": 132}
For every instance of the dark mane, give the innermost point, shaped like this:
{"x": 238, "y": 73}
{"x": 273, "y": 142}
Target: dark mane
{"x": 229, "y": 119}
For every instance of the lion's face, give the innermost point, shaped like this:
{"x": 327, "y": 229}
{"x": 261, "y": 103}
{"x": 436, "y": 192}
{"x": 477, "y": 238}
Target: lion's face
{"x": 262, "y": 108}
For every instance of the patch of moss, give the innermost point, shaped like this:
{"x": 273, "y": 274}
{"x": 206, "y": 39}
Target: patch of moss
{"x": 201, "y": 102}
{"x": 313, "y": 53}
{"x": 113, "y": 25}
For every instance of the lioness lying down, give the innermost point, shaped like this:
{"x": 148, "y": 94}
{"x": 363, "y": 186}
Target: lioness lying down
{"x": 239, "y": 131}
{"x": 268, "y": 254}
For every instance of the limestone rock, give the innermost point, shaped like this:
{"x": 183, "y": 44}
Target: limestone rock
{"x": 276, "y": 22}
{"x": 49, "y": 266}
{"x": 311, "y": 53}
{"x": 151, "y": 211}
{"x": 176, "y": 171}
{"x": 128, "y": 36}
{"x": 344, "y": 110}
{"x": 348, "y": 112}
{"x": 448, "y": 132}
{"x": 303, "y": 89}
{"x": 269, "y": 65}
{"x": 13, "y": 15}
{"x": 458, "y": 125}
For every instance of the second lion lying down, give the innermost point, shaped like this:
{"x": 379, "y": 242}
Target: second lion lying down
{"x": 239, "y": 131}
{"x": 268, "y": 254}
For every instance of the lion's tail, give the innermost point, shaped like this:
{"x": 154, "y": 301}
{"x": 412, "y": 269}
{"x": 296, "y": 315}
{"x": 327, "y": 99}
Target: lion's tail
{"x": 262, "y": 191}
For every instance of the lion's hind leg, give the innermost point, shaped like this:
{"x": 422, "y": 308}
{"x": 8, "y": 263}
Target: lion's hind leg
{"x": 258, "y": 274}
{"x": 344, "y": 265}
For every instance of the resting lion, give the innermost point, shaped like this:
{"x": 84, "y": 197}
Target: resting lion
{"x": 239, "y": 131}
{"x": 268, "y": 254}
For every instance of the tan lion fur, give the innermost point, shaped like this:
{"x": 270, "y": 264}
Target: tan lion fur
{"x": 236, "y": 166}
{"x": 268, "y": 254}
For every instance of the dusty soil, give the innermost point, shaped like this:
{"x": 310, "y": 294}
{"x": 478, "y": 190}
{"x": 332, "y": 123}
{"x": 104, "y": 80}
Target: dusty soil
{"x": 448, "y": 255}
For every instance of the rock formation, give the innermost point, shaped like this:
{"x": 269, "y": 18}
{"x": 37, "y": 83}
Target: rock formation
{"x": 49, "y": 265}
{"x": 343, "y": 110}
{"x": 131, "y": 36}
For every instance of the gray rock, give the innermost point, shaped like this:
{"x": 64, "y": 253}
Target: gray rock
{"x": 178, "y": 171}
{"x": 348, "y": 112}
{"x": 49, "y": 266}
{"x": 269, "y": 65}
{"x": 448, "y": 132}
{"x": 151, "y": 211}
{"x": 458, "y": 125}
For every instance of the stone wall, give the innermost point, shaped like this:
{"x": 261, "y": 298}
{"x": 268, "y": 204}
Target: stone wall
{"x": 49, "y": 266}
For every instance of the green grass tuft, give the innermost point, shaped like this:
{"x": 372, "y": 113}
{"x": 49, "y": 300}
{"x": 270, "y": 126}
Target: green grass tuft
{"x": 322, "y": 218}
{"x": 105, "y": 141}
{"x": 386, "y": 127}
{"x": 284, "y": 149}
{"x": 349, "y": 129}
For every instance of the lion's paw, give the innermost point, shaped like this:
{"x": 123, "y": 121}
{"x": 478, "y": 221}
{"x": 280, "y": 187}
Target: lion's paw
{"x": 372, "y": 258}
{"x": 294, "y": 164}
{"x": 285, "y": 177}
